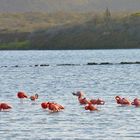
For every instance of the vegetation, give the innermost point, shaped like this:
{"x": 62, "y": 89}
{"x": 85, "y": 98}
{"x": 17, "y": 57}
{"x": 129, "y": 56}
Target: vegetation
{"x": 30, "y": 21}
{"x": 69, "y": 31}
{"x": 24, "y": 45}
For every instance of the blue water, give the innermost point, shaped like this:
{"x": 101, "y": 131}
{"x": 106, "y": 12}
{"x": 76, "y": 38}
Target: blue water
{"x": 27, "y": 121}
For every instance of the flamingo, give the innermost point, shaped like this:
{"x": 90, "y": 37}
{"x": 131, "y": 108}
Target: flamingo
{"x": 122, "y": 101}
{"x": 21, "y": 95}
{"x": 136, "y": 102}
{"x": 60, "y": 106}
{"x": 34, "y": 97}
{"x": 90, "y": 107}
{"x": 97, "y": 102}
{"x": 5, "y": 106}
{"x": 82, "y": 100}
{"x": 54, "y": 107}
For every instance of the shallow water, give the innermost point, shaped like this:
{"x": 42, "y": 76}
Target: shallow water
{"x": 56, "y": 83}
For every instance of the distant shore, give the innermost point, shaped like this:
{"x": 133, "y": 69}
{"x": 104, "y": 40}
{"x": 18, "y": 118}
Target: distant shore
{"x": 69, "y": 31}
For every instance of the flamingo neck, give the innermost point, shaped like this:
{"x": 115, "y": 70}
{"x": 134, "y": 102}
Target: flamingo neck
{"x": 80, "y": 97}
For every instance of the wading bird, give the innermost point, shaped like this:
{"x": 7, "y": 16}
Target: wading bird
{"x": 54, "y": 107}
{"x": 82, "y": 100}
{"x": 90, "y": 107}
{"x": 22, "y": 95}
{"x": 5, "y": 106}
{"x": 34, "y": 97}
{"x": 97, "y": 101}
{"x": 122, "y": 101}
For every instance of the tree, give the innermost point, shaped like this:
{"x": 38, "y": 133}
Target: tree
{"x": 107, "y": 15}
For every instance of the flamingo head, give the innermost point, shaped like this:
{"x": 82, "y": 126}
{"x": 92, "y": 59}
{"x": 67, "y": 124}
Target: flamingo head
{"x": 78, "y": 93}
{"x": 136, "y": 102}
{"x": 86, "y": 108}
{"x": 136, "y": 99}
{"x": 117, "y": 98}
{"x": 9, "y": 106}
{"x": 100, "y": 101}
{"x": 36, "y": 95}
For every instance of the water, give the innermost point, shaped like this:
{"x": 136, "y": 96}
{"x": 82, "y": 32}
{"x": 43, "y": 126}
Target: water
{"x": 56, "y": 83}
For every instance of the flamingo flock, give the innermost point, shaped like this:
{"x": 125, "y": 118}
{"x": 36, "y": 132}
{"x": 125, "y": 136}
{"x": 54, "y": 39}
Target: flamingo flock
{"x": 89, "y": 104}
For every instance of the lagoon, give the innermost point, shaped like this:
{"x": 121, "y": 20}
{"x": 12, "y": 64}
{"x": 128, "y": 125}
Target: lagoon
{"x": 21, "y": 70}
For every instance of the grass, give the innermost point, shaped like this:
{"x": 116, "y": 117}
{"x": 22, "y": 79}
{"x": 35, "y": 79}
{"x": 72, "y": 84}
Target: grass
{"x": 24, "y": 45}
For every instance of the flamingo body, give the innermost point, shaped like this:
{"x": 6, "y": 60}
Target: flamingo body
{"x": 54, "y": 107}
{"x": 4, "y": 106}
{"x": 21, "y": 95}
{"x": 83, "y": 101}
{"x": 90, "y": 107}
{"x": 122, "y": 101}
{"x": 34, "y": 97}
{"x": 97, "y": 102}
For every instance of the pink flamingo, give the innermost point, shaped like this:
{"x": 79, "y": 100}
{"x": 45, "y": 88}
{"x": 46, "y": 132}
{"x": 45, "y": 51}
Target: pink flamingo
{"x": 82, "y": 100}
{"x": 5, "y": 106}
{"x": 54, "y": 107}
{"x": 21, "y": 95}
{"x": 34, "y": 97}
{"x": 97, "y": 101}
{"x": 90, "y": 107}
{"x": 122, "y": 101}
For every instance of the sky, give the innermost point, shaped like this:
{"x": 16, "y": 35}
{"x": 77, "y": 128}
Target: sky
{"x": 68, "y": 5}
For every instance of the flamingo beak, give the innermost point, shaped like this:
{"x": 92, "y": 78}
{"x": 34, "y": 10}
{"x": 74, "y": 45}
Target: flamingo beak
{"x": 74, "y": 94}
{"x": 86, "y": 108}
{"x": 10, "y": 107}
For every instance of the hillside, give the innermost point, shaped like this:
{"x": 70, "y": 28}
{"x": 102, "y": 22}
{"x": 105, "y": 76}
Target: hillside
{"x": 85, "y": 31}
{"x": 99, "y": 33}
{"x": 30, "y": 21}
